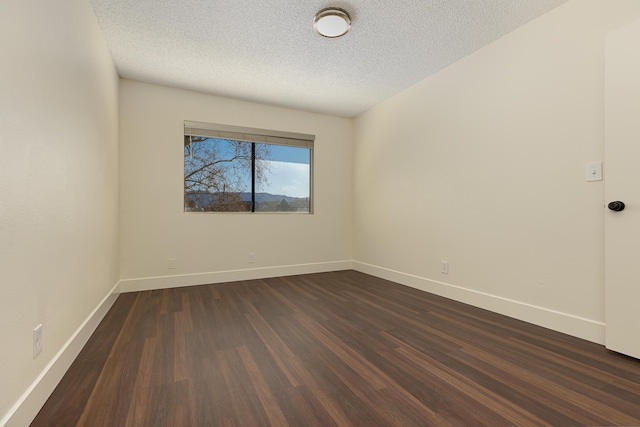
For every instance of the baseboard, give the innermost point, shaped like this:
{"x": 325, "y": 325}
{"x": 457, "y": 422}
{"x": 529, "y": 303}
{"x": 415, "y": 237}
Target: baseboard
{"x": 176, "y": 281}
{"x": 28, "y": 406}
{"x": 586, "y": 329}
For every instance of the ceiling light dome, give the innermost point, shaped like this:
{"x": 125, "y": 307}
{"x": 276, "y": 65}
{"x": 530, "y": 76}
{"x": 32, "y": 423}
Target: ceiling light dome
{"x": 332, "y": 22}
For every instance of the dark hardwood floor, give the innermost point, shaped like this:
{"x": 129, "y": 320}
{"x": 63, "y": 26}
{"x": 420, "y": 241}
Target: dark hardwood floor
{"x": 333, "y": 349}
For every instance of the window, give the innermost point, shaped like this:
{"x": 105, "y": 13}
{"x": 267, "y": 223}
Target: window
{"x": 233, "y": 169}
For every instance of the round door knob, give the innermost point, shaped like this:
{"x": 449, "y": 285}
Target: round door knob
{"x": 616, "y": 206}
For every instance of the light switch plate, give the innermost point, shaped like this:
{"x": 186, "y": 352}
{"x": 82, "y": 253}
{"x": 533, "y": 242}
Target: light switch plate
{"x": 594, "y": 171}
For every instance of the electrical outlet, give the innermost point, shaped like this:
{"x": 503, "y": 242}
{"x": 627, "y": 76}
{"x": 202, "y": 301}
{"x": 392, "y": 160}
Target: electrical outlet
{"x": 172, "y": 263}
{"x": 444, "y": 267}
{"x": 252, "y": 257}
{"x": 37, "y": 341}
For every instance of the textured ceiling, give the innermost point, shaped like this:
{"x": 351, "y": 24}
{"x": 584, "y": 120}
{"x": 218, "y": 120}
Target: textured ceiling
{"x": 266, "y": 50}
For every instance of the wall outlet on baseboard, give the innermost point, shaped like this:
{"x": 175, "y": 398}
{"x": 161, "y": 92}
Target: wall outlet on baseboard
{"x": 444, "y": 267}
{"x": 172, "y": 263}
{"x": 37, "y": 341}
{"x": 252, "y": 257}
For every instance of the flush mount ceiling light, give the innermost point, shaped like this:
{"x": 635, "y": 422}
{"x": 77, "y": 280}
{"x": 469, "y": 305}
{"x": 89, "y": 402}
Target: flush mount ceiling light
{"x": 332, "y": 22}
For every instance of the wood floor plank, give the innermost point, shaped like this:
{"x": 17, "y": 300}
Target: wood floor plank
{"x": 479, "y": 388}
{"x": 280, "y": 352}
{"x": 333, "y": 349}
{"x": 535, "y": 391}
{"x": 111, "y": 397}
{"x": 265, "y": 394}
{"x": 140, "y": 398}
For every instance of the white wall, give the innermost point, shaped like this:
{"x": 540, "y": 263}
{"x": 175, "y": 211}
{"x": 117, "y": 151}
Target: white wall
{"x": 58, "y": 190}
{"x": 483, "y": 165}
{"x": 214, "y": 247}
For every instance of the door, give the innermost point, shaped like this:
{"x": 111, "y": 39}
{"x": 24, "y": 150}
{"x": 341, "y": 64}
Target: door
{"x": 622, "y": 183}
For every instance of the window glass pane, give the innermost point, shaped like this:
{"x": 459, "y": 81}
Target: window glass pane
{"x": 217, "y": 175}
{"x": 282, "y": 178}
{"x": 225, "y": 175}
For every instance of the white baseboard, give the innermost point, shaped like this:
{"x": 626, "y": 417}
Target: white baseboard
{"x": 579, "y": 327}
{"x": 30, "y": 403}
{"x": 176, "y": 281}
